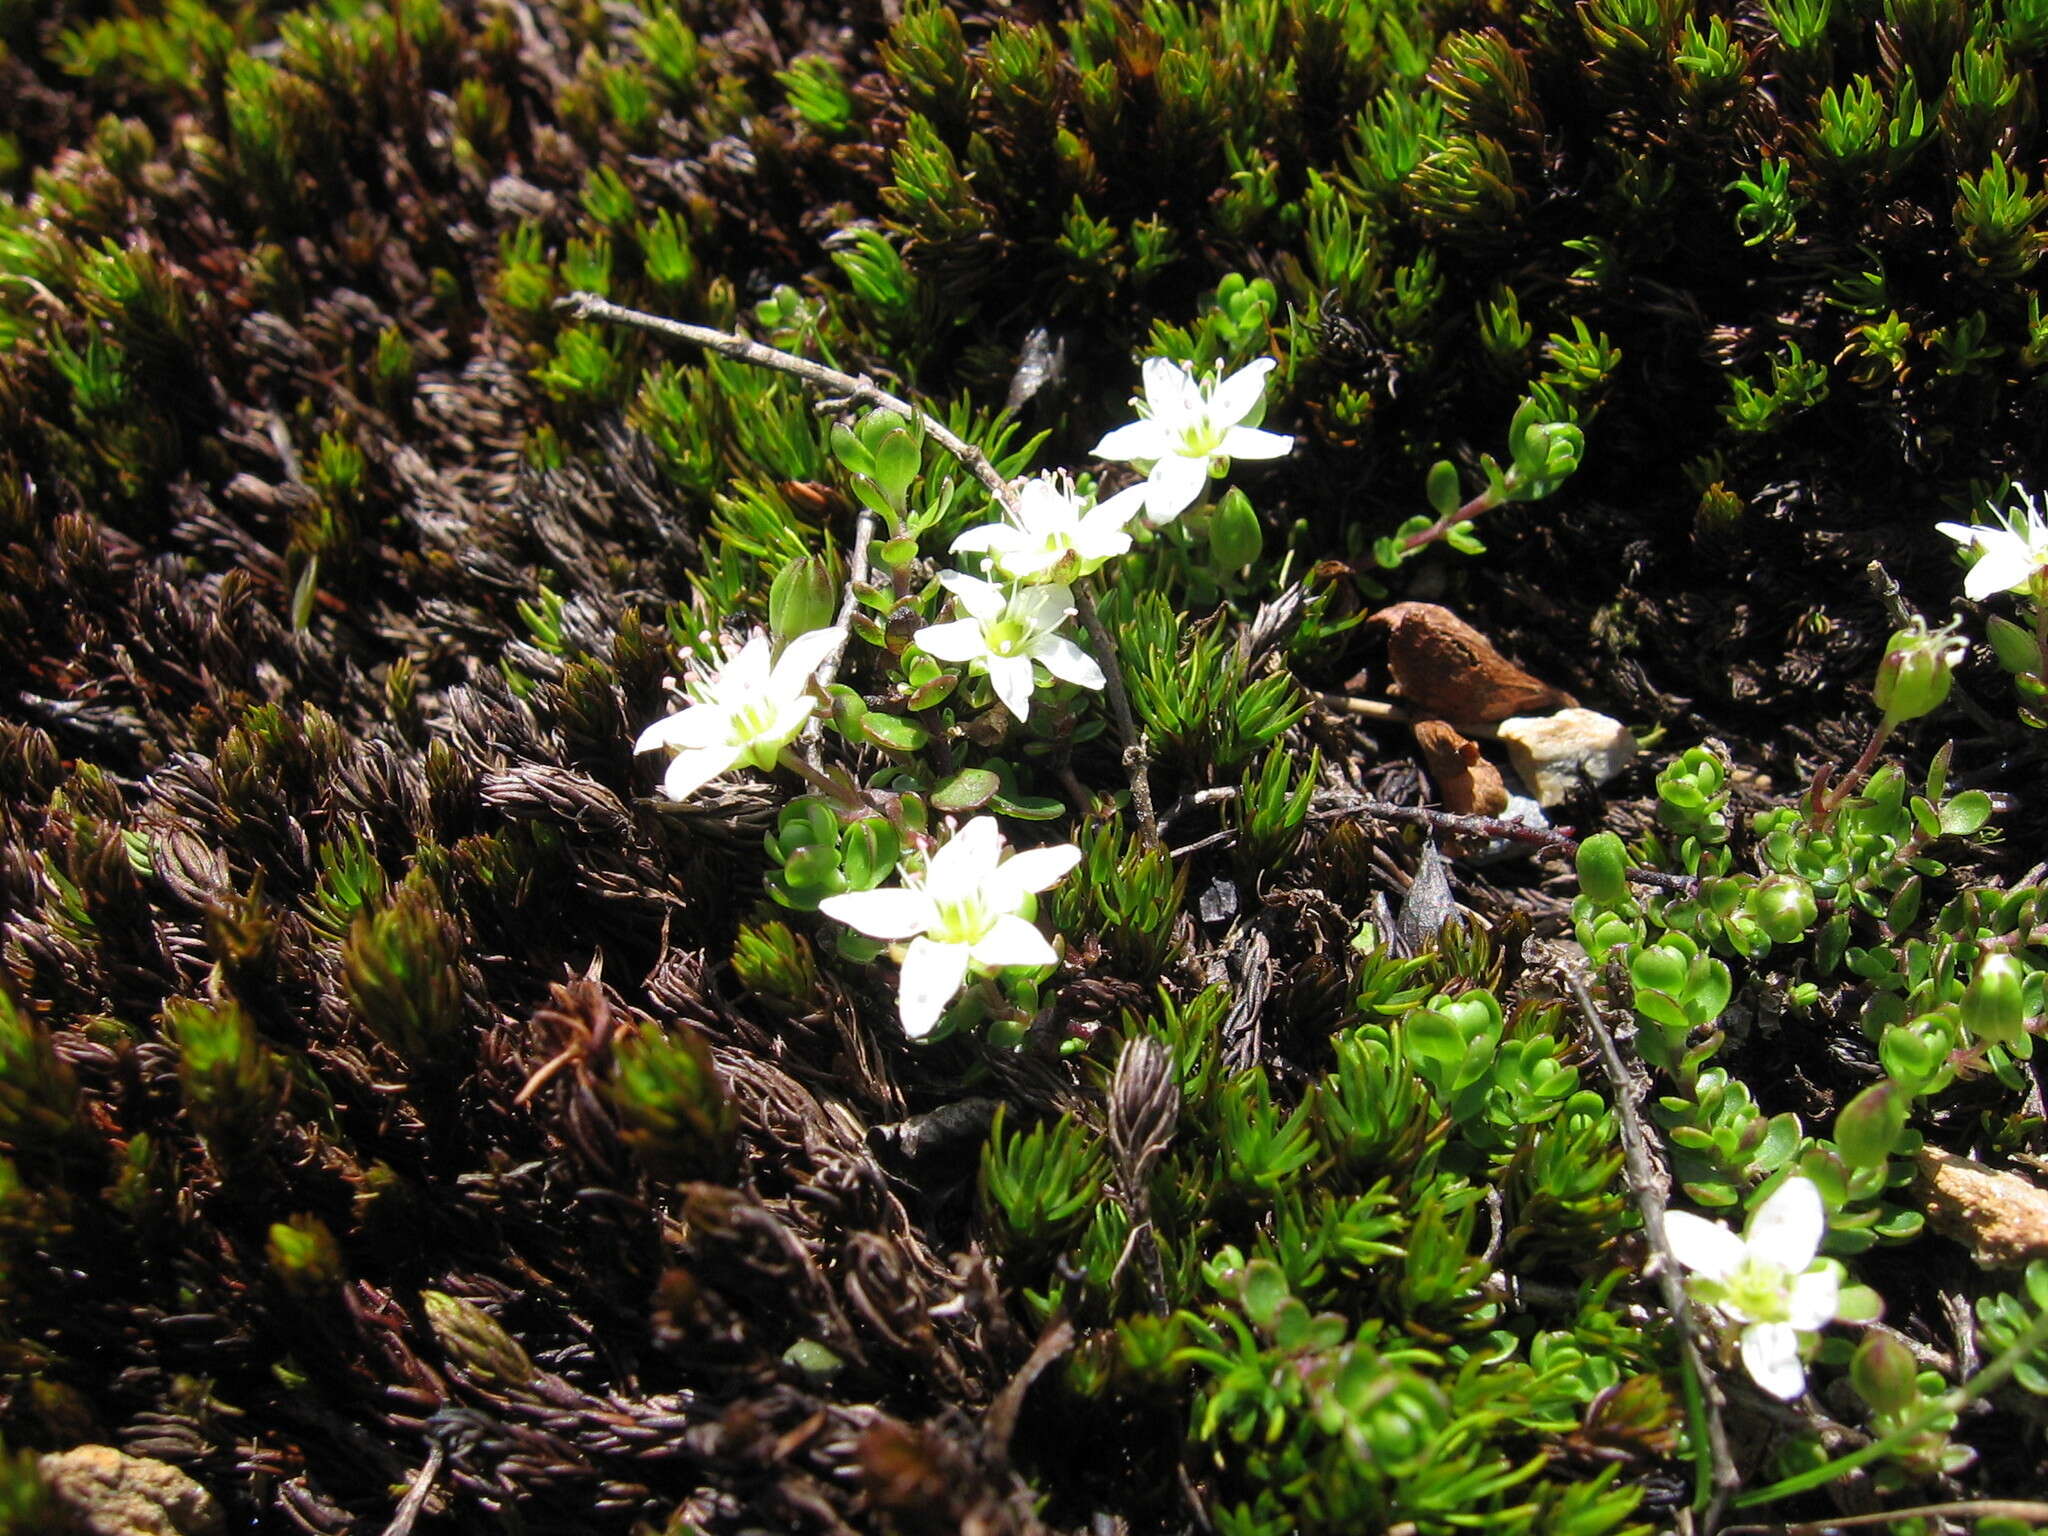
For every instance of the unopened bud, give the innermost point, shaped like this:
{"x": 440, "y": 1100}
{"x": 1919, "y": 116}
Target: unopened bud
{"x": 1995, "y": 1003}
{"x": 1235, "y": 537}
{"x": 1918, "y": 665}
{"x": 1883, "y": 1373}
{"x": 1603, "y": 869}
{"x": 1784, "y": 908}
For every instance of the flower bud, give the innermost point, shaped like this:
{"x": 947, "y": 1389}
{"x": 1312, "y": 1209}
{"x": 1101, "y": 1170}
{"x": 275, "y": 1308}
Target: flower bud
{"x": 1918, "y": 665}
{"x": 1784, "y": 908}
{"x": 1883, "y": 1373}
{"x": 800, "y": 599}
{"x": 2015, "y": 646}
{"x": 1995, "y": 1004}
{"x": 1235, "y": 538}
{"x": 1603, "y": 869}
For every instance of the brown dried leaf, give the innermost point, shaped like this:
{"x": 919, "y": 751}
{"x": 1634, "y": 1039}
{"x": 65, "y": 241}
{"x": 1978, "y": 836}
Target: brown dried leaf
{"x": 1444, "y": 667}
{"x": 2000, "y": 1217}
{"x": 1467, "y": 783}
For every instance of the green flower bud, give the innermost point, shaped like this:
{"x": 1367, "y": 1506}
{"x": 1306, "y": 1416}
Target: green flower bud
{"x": 2014, "y": 645}
{"x": 1868, "y": 1127}
{"x": 1883, "y": 1373}
{"x": 1918, "y": 665}
{"x": 1235, "y": 537}
{"x": 801, "y": 599}
{"x": 1784, "y": 908}
{"x": 1603, "y": 869}
{"x": 1994, "y": 1004}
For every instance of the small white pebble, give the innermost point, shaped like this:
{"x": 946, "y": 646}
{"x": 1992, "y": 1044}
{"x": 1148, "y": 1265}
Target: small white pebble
{"x": 1554, "y": 753}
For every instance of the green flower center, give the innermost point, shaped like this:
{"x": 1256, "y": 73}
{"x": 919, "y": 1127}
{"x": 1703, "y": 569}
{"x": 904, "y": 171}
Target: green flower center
{"x": 752, "y": 720}
{"x": 962, "y": 922}
{"x": 1007, "y": 637}
{"x": 1759, "y": 1291}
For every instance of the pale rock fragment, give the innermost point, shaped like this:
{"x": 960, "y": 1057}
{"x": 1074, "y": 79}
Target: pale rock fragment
{"x": 1554, "y": 754}
{"x": 105, "y": 1492}
{"x": 2000, "y": 1217}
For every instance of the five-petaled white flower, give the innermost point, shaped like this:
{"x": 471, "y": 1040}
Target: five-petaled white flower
{"x": 1053, "y": 537}
{"x": 1192, "y": 430}
{"x": 1767, "y": 1281}
{"x": 743, "y": 714}
{"x": 2008, "y": 557}
{"x": 1004, "y": 632}
{"x": 966, "y": 911}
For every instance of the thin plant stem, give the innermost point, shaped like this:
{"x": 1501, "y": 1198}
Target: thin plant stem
{"x": 1136, "y": 756}
{"x": 1483, "y": 502}
{"x": 1494, "y": 826}
{"x": 839, "y": 790}
{"x": 2030, "y": 1510}
{"x": 1983, "y": 1384}
{"x": 1825, "y": 801}
{"x": 1720, "y": 1477}
{"x": 583, "y": 305}
{"x": 828, "y": 669}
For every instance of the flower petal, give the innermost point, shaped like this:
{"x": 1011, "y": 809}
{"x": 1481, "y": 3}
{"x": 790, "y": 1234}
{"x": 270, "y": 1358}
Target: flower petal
{"x": 1251, "y": 443}
{"x": 1012, "y": 941}
{"x": 983, "y": 599}
{"x": 1172, "y": 487}
{"x": 1011, "y": 678}
{"x": 1035, "y": 869}
{"x": 802, "y": 656}
{"x": 1962, "y": 533}
{"x": 1135, "y": 441}
{"x": 1170, "y": 388}
{"x": 1814, "y": 1298}
{"x": 1067, "y": 661}
{"x": 1124, "y": 505}
{"x": 961, "y": 640}
{"x": 932, "y": 973}
{"x": 1235, "y": 396}
{"x": 1787, "y": 1228}
{"x": 2005, "y": 566}
{"x": 1704, "y": 1247}
{"x": 695, "y": 767}
{"x": 1042, "y": 608}
{"x": 990, "y": 538}
{"x": 748, "y": 671}
{"x": 956, "y": 872}
{"x": 1771, "y": 1352}
{"x": 893, "y": 913}
{"x": 699, "y": 726}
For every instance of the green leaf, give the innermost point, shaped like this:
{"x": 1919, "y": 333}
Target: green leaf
{"x": 893, "y": 732}
{"x": 1028, "y": 807}
{"x": 1444, "y": 494}
{"x": 968, "y": 790}
{"x": 1966, "y": 813}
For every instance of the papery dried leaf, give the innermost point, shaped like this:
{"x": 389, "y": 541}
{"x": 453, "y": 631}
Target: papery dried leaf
{"x": 1466, "y": 782}
{"x": 1443, "y": 667}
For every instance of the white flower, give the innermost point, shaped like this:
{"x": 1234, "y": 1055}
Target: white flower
{"x": 2008, "y": 557}
{"x": 1191, "y": 431}
{"x": 1766, "y": 1281}
{"x": 743, "y": 714}
{"x": 1004, "y": 632}
{"x": 964, "y": 912}
{"x": 1053, "y": 537}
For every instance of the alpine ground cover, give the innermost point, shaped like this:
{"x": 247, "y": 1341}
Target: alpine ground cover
{"x": 422, "y": 1109}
